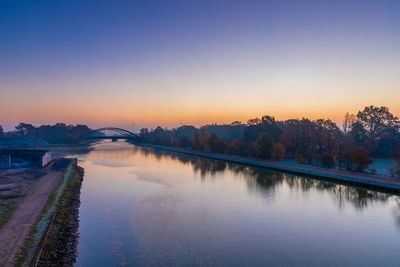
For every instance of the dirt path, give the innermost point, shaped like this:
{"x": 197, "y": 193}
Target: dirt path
{"x": 14, "y": 232}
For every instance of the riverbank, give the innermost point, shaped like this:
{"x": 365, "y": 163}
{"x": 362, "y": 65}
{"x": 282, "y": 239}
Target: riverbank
{"x": 380, "y": 183}
{"x": 62, "y": 238}
{"x": 49, "y": 203}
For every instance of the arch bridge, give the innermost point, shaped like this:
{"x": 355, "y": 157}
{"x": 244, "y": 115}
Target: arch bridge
{"x": 112, "y": 133}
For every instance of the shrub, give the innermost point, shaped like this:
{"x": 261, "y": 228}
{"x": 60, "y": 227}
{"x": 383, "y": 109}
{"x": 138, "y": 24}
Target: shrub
{"x": 371, "y": 171}
{"x": 263, "y": 146}
{"x": 395, "y": 171}
{"x": 304, "y": 156}
{"x": 217, "y": 144}
{"x": 278, "y": 152}
{"x": 327, "y": 160}
{"x": 237, "y": 147}
{"x": 203, "y": 139}
{"x": 358, "y": 159}
{"x": 184, "y": 141}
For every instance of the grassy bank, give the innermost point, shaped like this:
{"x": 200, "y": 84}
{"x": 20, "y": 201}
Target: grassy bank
{"x": 52, "y": 240}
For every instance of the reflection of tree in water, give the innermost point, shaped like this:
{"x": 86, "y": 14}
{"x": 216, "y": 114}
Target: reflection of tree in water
{"x": 256, "y": 179}
{"x": 150, "y": 152}
{"x": 396, "y": 210}
{"x": 159, "y": 154}
{"x": 62, "y": 151}
{"x": 360, "y": 198}
{"x": 207, "y": 167}
{"x": 266, "y": 181}
{"x": 343, "y": 194}
{"x": 200, "y": 165}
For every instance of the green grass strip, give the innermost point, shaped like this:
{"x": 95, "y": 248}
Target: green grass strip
{"x": 28, "y": 252}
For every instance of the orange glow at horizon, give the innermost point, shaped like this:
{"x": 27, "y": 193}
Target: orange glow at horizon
{"x": 172, "y": 116}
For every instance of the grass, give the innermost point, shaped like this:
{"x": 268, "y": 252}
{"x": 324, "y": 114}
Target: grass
{"x": 7, "y": 206}
{"x": 9, "y": 203}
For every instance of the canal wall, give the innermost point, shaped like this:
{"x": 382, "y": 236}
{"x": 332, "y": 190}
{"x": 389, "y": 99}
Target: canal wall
{"x": 375, "y": 182}
{"x": 53, "y": 239}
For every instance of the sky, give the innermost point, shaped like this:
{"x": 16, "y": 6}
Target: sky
{"x": 137, "y": 64}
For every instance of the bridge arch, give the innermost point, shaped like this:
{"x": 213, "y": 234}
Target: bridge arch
{"x": 102, "y": 133}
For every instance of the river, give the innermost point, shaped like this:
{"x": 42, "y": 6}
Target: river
{"x": 141, "y": 206}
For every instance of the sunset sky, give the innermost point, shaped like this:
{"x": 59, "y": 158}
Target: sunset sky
{"x": 138, "y": 64}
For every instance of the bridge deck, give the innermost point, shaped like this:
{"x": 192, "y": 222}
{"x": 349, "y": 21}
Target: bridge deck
{"x": 109, "y": 137}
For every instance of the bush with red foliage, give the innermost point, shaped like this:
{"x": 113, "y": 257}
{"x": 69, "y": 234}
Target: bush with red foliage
{"x": 278, "y": 152}
{"x": 358, "y": 159}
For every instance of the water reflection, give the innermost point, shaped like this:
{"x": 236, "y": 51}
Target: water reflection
{"x": 149, "y": 207}
{"x": 396, "y": 211}
{"x": 266, "y": 181}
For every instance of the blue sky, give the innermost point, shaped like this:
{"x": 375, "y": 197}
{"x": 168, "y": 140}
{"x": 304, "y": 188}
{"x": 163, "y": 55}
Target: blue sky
{"x": 173, "y": 62}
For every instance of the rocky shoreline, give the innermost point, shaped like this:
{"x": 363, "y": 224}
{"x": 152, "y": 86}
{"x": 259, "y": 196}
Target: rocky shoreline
{"x": 61, "y": 245}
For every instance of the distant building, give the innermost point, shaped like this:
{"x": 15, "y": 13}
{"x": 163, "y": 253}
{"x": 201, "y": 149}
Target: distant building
{"x": 23, "y": 158}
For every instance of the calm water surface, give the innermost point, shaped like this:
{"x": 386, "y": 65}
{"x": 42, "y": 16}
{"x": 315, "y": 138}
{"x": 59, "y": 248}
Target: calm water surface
{"x": 147, "y": 207}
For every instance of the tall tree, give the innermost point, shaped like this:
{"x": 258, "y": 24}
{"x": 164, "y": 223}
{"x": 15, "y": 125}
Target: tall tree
{"x": 263, "y": 146}
{"x": 349, "y": 120}
{"x": 237, "y": 147}
{"x": 25, "y": 129}
{"x": 278, "y": 152}
{"x": 195, "y": 143}
{"x": 358, "y": 135}
{"x": 203, "y": 139}
{"x": 291, "y": 135}
{"x": 376, "y": 120}
{"x": 184, "y": 141}
{"x": 328, "y": 135}
{"x": 256, "y": 126}
{"x": 217, "y": 144}
{"x": 306, "y": 147}
{"x": 145, "y": 135}
{"x": 382, "y": 128}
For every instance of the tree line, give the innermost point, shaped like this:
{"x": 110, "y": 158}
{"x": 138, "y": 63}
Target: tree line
{"x": 372, "y": 132}
{"x": 59, "y": 133}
